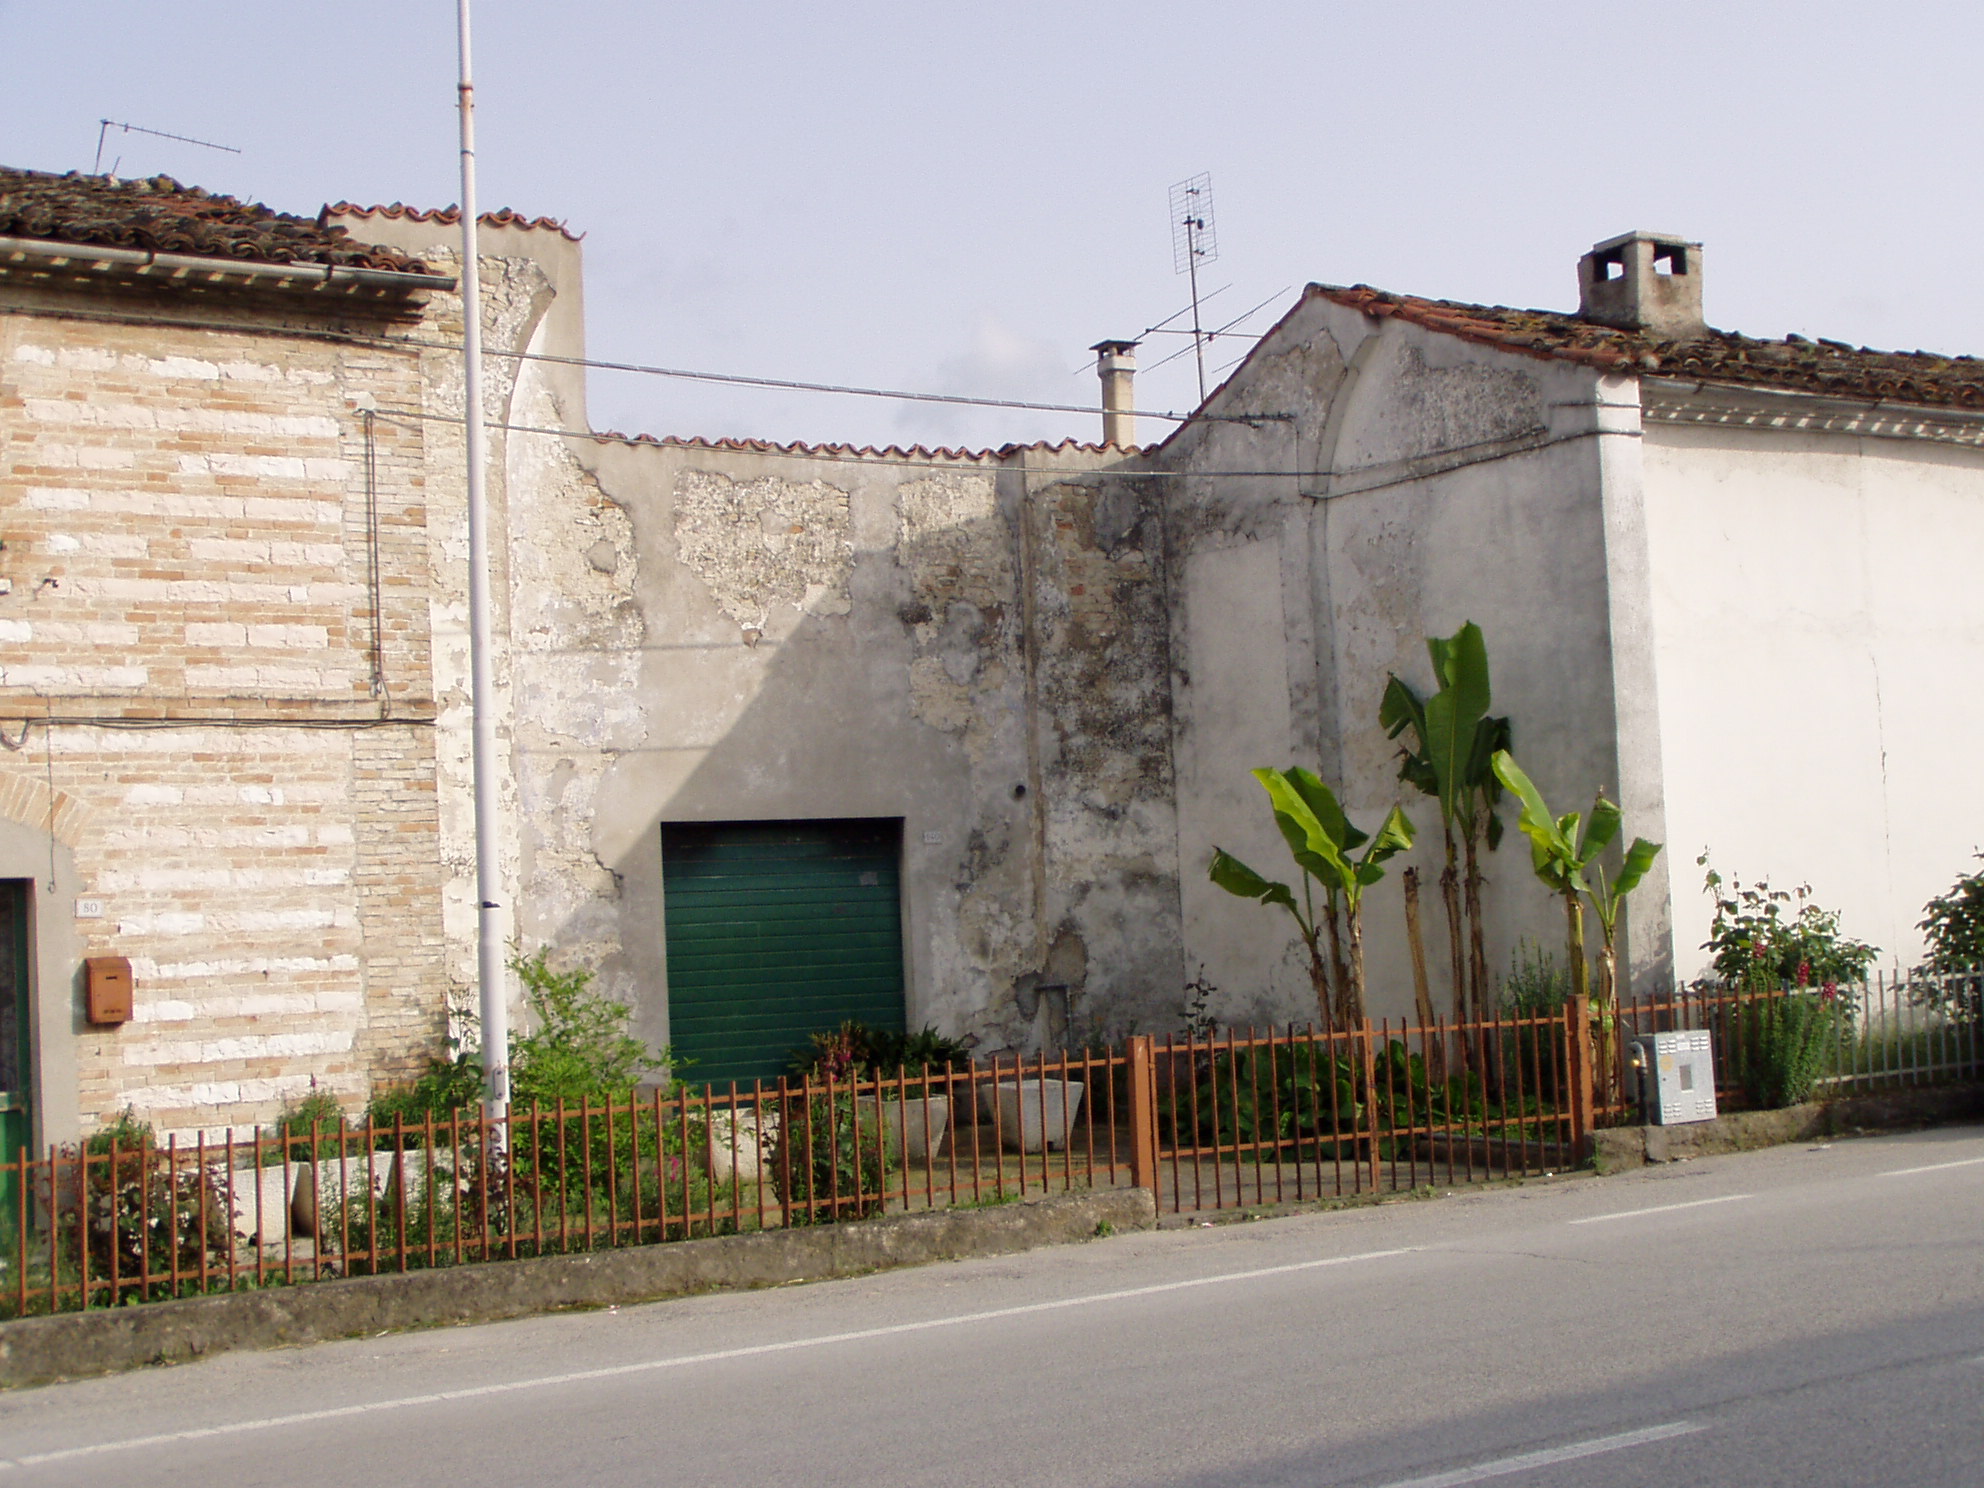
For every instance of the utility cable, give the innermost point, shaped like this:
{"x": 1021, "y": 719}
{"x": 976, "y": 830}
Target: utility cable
{"x": 783, "y": 384}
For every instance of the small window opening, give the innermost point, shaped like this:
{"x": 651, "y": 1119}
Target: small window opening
{"x": 1687, "y": 1077}
{"x": 1670, "y": 258}
{"x": 1611, "y": 265}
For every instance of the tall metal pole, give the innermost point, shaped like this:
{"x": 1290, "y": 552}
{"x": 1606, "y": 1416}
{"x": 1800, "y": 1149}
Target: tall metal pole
{"x": 1192, "y": 225}
{"x": 495, "y": 1009}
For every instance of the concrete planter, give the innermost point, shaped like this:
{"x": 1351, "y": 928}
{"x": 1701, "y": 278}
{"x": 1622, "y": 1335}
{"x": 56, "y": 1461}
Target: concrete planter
{"x": 741, "y": 1146}
{"x": 917, "y": 1125}
{"x": 1037, "y": 1113}
{"x": 262, "y": 1196}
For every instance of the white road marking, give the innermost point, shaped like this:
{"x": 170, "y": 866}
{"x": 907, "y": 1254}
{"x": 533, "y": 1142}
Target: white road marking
{"x": 1660, "y": 1209}
{"x": 617, "y": 1371}
{"x": 1966, "y": 1162}
{"x": 1502, "y": 1466}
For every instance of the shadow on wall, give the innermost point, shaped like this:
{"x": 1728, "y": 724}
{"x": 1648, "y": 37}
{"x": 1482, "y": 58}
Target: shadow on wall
{"x": 818, "y": 653}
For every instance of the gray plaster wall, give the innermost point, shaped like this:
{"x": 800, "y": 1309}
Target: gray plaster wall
{"x": 975, "y": 645}
{"x": 850, "y": 638}
{"x": 1432, "y": 482}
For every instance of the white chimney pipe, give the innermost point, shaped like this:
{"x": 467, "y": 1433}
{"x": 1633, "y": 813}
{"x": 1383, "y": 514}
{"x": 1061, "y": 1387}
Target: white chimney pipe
{"x": 1116, "y": 364}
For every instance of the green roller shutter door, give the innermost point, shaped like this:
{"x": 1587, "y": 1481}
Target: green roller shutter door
{"x": 776, "y": 931}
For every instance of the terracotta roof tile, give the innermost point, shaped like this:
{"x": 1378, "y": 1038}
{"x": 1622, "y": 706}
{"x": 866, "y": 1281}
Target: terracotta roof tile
{"x": 156, "y": 214}
{"x": 856, "y": 452}
{"x": 400, "y": 211}
{"x": 1828, "y": 367}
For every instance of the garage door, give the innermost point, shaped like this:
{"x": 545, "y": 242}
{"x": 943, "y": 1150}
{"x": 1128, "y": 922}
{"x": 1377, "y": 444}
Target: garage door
{"x": 777, "y": 931}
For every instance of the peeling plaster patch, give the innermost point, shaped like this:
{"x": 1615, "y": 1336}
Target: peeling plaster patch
{"x": 935, "y": 698}
{"x": 953, "y": 542}
{"x": 765, "y": 542}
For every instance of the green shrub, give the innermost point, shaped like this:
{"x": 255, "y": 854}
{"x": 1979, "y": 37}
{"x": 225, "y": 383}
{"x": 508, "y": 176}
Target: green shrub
{"x": 855, "y": 1049}
{"x": 1536, "y": 987}
{"x": 581, "y": 1048}
{"x": 821, "y": 1168}
{"x": 1953, "y": 924}
{"x": 1756, "y": 945}
{"x": 583, "y": 1045}
{"x": 317, "y": 1118}
{"x": 1787, "y": 1043}
{"x": 139, "y": 1215}
{"x": 1304, "y": 1091}
{"x": 447, "y": 1085}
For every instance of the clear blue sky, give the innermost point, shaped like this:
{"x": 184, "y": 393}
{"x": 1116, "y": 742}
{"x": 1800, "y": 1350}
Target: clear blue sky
{"x": 963, "y": 197}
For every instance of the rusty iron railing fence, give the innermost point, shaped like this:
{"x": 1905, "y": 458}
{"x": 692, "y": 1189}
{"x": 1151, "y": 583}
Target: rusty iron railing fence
{"x": 1248, "y": 1118}
{"x": 1232, "y": 1119}
{"x": 105, "y": 1223}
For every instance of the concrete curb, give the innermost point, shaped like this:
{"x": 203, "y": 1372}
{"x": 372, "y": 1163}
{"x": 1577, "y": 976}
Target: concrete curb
{"x": 1634, "y": 1146}
{"x": 42, "y": 1350}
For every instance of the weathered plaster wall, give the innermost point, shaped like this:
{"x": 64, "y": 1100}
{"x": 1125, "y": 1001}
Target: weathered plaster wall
{"x": 695, "y": 633}
{"x": 1439, "y": 483}
{"x": 846, "y": 637}
{"x": 1818, "y": 624}
{"x": 557, "y": 585}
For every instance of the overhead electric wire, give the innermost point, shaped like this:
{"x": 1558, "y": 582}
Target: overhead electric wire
{"x": 414, "y": 343}
{"x": 1225, "y": 330}
{"x": 784, "y": 384}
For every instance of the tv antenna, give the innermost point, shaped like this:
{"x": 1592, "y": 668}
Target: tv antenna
{"x": 1194, "y": 240}
{"x": 104, "y": 126}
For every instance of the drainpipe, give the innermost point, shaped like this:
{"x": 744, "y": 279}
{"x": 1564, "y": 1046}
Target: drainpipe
{"x": 1116, "y": 364}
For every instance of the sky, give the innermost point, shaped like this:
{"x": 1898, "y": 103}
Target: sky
{"x": 962, "y": 198}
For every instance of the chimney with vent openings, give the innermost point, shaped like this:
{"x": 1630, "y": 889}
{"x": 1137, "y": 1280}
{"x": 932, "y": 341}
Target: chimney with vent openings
{"x": 1116, "y": 364}
{"x": 1643, "y": 281}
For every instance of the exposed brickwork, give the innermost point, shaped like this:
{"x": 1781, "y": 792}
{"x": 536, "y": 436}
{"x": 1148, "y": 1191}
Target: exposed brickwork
{"x": 221, "y": 578}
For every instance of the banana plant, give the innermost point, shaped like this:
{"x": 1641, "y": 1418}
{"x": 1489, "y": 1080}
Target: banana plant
{"x": 1563, "y": 858}
{"x": 1606, "y": 901}
{"x": 1560, "y": 849}
{"x": 1454, "y": 741}
{"x": 1328, "y": 976}
{"x": 1318, "y": 833}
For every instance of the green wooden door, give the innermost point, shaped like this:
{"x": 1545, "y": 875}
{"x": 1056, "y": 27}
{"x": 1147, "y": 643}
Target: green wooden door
{"x": 777, "y": 931}
{"x": 15, "y": 1108}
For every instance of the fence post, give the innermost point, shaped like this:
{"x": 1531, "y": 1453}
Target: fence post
{"x": 1583, "y": 1061}
{"x": 1370, "y": 1053}
{"x": 1143, "y": 1113}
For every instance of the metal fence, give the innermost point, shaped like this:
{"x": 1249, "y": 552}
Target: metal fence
{"x": 105, "y": 1223}
{"x": 1228, "y": 1120}
{"x": 1811, "y": 1042}
{"x": 1254, "y": 1118}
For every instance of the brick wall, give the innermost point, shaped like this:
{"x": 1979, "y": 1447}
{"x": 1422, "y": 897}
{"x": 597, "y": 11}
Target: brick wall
{"x": 220, "y": 587}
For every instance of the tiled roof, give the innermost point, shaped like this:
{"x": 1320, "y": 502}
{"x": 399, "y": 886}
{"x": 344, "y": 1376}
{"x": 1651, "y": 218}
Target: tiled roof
{"x": 1828, "y": 367}
{"x": 155, "y": 214}
{"x": 400, "y": 211}
{"x": 858, "y": 452}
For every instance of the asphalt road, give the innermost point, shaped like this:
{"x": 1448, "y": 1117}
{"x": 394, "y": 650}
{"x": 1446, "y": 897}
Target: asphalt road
{"x": 1809, "y": 1316}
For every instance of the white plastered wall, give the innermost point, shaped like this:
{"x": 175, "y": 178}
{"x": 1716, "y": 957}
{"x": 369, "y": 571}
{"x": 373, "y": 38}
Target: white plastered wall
{"x": 1818, "y": 625}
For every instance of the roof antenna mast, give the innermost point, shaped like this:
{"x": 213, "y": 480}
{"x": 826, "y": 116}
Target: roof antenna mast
{"x": 1194, "y": 241}
{"x": 492, "y": 998}
{"x": 104, "y": 126}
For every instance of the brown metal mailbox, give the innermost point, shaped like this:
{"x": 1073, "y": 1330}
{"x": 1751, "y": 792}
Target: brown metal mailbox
{"x": 107, "y": 989}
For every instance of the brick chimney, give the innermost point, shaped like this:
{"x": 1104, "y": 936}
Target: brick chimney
{"x": 1116, "y": 364}
{"x": 1643, "y": 281}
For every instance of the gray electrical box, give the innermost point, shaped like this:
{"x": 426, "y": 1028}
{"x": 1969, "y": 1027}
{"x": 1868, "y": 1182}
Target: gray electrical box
{"x": 1677, "y": 1076}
